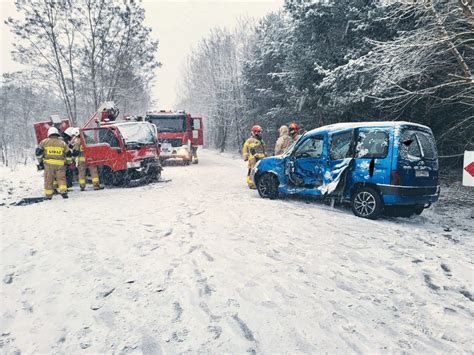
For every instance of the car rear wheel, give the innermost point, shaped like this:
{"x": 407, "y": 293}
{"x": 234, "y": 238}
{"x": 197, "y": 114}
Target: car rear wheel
{"x": 267, "y": 186}
{"x": 366, "y": 203}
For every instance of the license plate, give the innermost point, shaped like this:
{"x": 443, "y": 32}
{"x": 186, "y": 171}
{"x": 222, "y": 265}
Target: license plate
{"x": 422, "y": 173}
{"x": 165, "y": 147}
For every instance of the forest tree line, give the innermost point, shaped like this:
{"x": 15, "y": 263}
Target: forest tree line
{"x": 78, "y": 54}
{"x": 318, "y": 63}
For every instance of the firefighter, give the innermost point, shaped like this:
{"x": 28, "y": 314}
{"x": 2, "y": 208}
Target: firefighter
{"x": 78, "y": 151}
{"x": 253, "y": 151}
{"x": 69, "y": 135}
{"x": 295, "y": 131}
{"x": 283, "y": 142}
{"x": 194, "y": 149}
{"x": 52, "y": 153}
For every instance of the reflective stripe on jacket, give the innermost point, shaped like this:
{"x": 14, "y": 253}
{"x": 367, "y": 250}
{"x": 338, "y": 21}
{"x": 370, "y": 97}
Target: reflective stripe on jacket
{"x": 79, "y": 150}
{"x": 54, "y": 151}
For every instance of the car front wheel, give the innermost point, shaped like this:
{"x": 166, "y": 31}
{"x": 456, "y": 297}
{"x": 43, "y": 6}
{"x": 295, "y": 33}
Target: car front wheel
{"x": 366, "y": 203}
{"x": 267, "y": 186}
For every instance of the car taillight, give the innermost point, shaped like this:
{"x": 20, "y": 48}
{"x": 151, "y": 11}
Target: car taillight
{"x": 395, "y": 178}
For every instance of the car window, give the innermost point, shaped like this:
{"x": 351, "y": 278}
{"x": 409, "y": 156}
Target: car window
{"x": 416, "y": 145}
{"x": 340, "y": 145}
{"x": 108, "y": 136}
{"x": 310, "y": 148}
{"x": 99, "y": 136}
{"x": 372, "y": 144}
{"x": 90, "y": 137}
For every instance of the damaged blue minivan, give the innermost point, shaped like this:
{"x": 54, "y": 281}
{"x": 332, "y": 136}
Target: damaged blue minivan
{"x": 373, "y": 166}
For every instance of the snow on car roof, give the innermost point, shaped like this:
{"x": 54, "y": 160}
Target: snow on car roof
{"x": 348, "y": 125}
{"x": 121, "y": 123}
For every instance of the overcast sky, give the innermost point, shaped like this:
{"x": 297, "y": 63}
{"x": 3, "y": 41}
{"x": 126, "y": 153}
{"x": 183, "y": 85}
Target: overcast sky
{"x": 177, "y": 24}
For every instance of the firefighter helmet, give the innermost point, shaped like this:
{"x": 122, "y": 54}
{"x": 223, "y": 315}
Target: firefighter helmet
{"x": 256, "y": 129}
{"x": 294, "y": 127}
{"x": 72, "y": 131}
{"x": 53, "y": 131}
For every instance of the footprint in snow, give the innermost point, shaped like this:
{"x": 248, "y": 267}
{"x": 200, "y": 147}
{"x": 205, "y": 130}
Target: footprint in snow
{"x": 208, "y": 256}
{"x": 212, "y": 317}
{"x": 446, "y": 269}
{"x": 246, "y": 331}
{"x": 178, "y": 310}
{"x": 215, "y": 330}
{"x": 180, "y": 335}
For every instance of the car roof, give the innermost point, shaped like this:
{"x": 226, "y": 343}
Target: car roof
{"x": 351, "y": 125}
{"x": 165, "y": 114}
{"x": 122, "y": 123}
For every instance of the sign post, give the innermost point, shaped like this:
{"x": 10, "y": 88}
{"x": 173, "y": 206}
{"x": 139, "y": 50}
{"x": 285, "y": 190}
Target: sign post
{"x": 468, "y": 169}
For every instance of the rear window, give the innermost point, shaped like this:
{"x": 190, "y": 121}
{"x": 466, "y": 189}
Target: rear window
{"x": 372, "y": 144}
{"x": 416, "y": 145}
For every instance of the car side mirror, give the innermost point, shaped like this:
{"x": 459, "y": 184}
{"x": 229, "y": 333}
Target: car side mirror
{"x": 118, "y": 150}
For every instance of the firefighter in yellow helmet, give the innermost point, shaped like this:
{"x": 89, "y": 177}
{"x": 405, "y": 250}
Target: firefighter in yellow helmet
{"x": 52, "y": 153}
{"x": 78, "y": 151}
{"x": 254, "y": 150}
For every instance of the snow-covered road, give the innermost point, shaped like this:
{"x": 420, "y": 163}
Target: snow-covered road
{"x": 202, "y": 264}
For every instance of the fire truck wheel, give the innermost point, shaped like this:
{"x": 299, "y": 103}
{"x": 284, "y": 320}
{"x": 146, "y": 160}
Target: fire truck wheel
{"x": 154, "y": 176}
{"x": 106, "y": 175}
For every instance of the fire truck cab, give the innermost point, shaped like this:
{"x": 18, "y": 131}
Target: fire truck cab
{"x": 126, "y": 152}
{"x": 179, "y": 134}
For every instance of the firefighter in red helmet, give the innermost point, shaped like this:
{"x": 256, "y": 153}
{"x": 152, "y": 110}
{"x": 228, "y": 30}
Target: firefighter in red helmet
{"x": 294, "y": 131}
{"x": 253, "y": 151}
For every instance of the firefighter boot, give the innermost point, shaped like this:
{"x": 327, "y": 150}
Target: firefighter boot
{"x": 250, "y": 183}
{"x": 95, "y": 178}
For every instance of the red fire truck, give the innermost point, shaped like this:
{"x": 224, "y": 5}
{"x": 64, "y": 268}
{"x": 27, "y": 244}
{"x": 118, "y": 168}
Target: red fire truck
{"x": 180, "y": 134}
{"x": 126, "y": 152}
{"x": 41, "y": 128}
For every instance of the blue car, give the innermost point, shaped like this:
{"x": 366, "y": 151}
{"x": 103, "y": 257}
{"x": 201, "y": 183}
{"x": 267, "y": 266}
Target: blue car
{"x": 374, "y": 166}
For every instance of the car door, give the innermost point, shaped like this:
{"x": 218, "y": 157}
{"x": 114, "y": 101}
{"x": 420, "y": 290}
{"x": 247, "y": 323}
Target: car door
{"x": 309, "y": 161}
{"x": 101, "y": 147}
{"x": 197, "y": 133}
{"x": 417, "y": 161}
{"x": 372, "y": 158}
{"x": 340, "y": 158}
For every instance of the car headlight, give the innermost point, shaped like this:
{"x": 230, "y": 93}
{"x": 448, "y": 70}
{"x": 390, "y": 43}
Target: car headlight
{"x": 133, "y": 164}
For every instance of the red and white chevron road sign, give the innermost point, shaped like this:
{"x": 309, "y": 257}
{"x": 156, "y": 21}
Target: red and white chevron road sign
{"x": 468, "y": 169}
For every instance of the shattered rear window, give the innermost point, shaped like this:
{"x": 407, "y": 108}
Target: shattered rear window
{"x": 416, "y": 145}
{"x": 372, "y": 144}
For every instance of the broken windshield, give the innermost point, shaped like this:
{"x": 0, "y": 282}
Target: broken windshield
{"x": 168, "y": 123}
{"x": 140, "y": 133}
